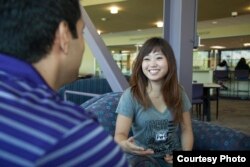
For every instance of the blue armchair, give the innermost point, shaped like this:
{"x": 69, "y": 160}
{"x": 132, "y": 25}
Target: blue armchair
{"x": 75, "y": 91}
{"x": 207, "y": 136}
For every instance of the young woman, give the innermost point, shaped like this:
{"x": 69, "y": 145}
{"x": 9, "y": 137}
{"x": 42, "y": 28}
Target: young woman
{"x": 242, "y": 65}
{"x": 222, "y": 66}
{"x": 154, "y": 106}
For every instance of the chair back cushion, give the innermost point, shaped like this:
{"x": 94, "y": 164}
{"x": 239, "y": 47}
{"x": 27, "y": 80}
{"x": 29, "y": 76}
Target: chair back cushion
{"x": 104, "y": 107}
{"x": 93, "y": 85}
{"x": 197, "y": 91}
{"x": 221, "y": 75}
{"x": 241, "y": 74}
{"x": 208, "y": 136}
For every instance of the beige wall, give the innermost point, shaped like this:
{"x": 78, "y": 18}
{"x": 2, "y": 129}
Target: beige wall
{"x": 88, "y": 62}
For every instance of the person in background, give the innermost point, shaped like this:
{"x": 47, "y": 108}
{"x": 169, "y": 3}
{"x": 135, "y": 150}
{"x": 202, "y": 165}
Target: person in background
{"x": 40, "y": 50}
{"x": 222, "y": 66}
{"x": 242, "y": 65}
{"x": 154, "y": 105}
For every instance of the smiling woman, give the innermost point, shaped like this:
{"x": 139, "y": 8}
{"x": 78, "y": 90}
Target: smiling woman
{"x": 154, "y": 106}
{"x": 155, "y": 65}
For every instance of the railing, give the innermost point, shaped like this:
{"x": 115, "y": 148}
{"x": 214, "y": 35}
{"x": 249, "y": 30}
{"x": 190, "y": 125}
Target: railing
{"x": 78, "y": 93}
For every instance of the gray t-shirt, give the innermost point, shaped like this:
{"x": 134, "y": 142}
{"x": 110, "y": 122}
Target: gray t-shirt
{"x": 151, "y": 128}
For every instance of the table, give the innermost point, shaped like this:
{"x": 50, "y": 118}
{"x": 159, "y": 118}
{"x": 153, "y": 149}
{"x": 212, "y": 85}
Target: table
{"x": 207, "y": 98}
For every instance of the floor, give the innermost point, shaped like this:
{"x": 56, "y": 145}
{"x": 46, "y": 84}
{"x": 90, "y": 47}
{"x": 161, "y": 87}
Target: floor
{"x": 233, "y": 114}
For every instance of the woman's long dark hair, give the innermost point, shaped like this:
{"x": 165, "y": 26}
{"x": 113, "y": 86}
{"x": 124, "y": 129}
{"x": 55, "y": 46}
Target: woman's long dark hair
{"x": 170, "y": 88}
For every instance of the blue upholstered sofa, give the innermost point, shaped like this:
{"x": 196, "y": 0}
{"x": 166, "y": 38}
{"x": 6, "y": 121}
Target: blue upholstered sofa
{"x": 93, "y": 85}
{"x": 207, "y": 136}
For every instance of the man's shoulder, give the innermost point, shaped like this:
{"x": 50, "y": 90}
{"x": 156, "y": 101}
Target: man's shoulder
{"x": 37, "y": 98}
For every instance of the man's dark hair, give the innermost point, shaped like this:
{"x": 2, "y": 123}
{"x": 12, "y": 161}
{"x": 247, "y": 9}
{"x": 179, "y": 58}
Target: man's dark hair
{"x": 28, "y": 27}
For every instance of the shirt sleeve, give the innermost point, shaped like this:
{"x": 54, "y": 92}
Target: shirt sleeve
{"x": 85, "y": 145}
{"x": 126, "y": 104}
{"x": 186, "y": 102}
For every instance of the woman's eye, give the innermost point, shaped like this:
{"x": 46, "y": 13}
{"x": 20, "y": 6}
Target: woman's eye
{"x": 146, "y": 59}
{"x": 159, "y": 58}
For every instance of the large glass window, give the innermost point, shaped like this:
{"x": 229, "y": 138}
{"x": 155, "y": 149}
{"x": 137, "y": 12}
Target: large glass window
{"x": 233, "y": 56}
{"x": 123, "y": 62}
{"x": 201, "y": 60}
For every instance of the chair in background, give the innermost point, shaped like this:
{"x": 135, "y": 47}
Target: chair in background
{"x": 197, "y": 99}
{"x": 240, "y": 76}
{"x": 82, "y": 90}
{"x": 222, "y": 77}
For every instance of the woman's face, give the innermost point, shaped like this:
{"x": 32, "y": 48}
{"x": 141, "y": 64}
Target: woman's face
{"x": 155, "y": 66}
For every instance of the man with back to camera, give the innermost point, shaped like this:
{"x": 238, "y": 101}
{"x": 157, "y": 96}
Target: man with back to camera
{"x": 41, "y": 47}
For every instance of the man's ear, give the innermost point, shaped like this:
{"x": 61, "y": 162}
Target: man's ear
{"x": 64, "y": 36}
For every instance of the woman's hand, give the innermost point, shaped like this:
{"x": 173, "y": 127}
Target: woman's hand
{"x": 168, "y": 158}
{"x": 131, "y": 147}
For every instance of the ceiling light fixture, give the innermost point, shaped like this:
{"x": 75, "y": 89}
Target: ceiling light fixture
{"x": 246, "y": 44}
{"x": 159, "y": 24}
{"x": 218, "y": 47}
{"x": 125, "y": 51}
{"x": 234, "y": 14}
{"x": 104, "y": 19}
{"x": 99, "y": 32}
{"x": 138, "y": 45}
{"x": 114, "y": 10}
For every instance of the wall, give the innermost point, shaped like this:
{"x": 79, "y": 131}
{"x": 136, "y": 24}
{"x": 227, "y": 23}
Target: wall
{"x": 88, "y": 62}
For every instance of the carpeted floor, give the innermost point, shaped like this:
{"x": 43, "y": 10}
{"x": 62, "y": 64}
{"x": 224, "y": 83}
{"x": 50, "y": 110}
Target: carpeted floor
{"x": 233, "y": 114}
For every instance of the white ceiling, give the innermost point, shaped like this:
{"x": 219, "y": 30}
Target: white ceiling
{"x": 230, "y": 32}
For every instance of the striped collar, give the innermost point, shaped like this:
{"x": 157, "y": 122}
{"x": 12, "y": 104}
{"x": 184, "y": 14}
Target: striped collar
{"x": 20, "y": 69}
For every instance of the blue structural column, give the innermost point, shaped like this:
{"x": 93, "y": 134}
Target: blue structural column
{"x": 113, "y": 74}
{"x": 180, "y": 31}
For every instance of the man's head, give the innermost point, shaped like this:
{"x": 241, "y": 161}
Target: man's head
{"x": 32, "y": 30}
{"x": 28, "y": 27}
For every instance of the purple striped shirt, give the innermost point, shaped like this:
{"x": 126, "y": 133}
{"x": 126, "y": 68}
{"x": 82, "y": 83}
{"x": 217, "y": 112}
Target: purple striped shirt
{"x": 38, "y": 128}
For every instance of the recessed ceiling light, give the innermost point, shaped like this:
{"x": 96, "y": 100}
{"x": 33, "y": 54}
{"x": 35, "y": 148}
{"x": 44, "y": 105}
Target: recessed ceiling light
{"x": 125, "y": 51}
{"x": 159, "y": 24}
{"x": 104, "y": 19}
{"x": 114, "y": 10}
{"x": 217, "y": 47}
{"x": 138, "y": 45}
{"x": 246, "y": 44}
{"x": 99, "y": 32}
{"x": 234, "y": 14}
{"x": 214, "y": 22}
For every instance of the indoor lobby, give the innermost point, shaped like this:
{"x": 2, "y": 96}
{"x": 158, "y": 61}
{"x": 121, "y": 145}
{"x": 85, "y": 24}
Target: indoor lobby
{"x": 223, "y": 31}
{"x": 124, "y": 83}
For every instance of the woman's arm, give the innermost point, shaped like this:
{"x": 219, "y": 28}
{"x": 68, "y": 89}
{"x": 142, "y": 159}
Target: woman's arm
{"x": 122, "y": 129}
{"x": 187, "y": 138}
{"x": 123, "y": 125}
